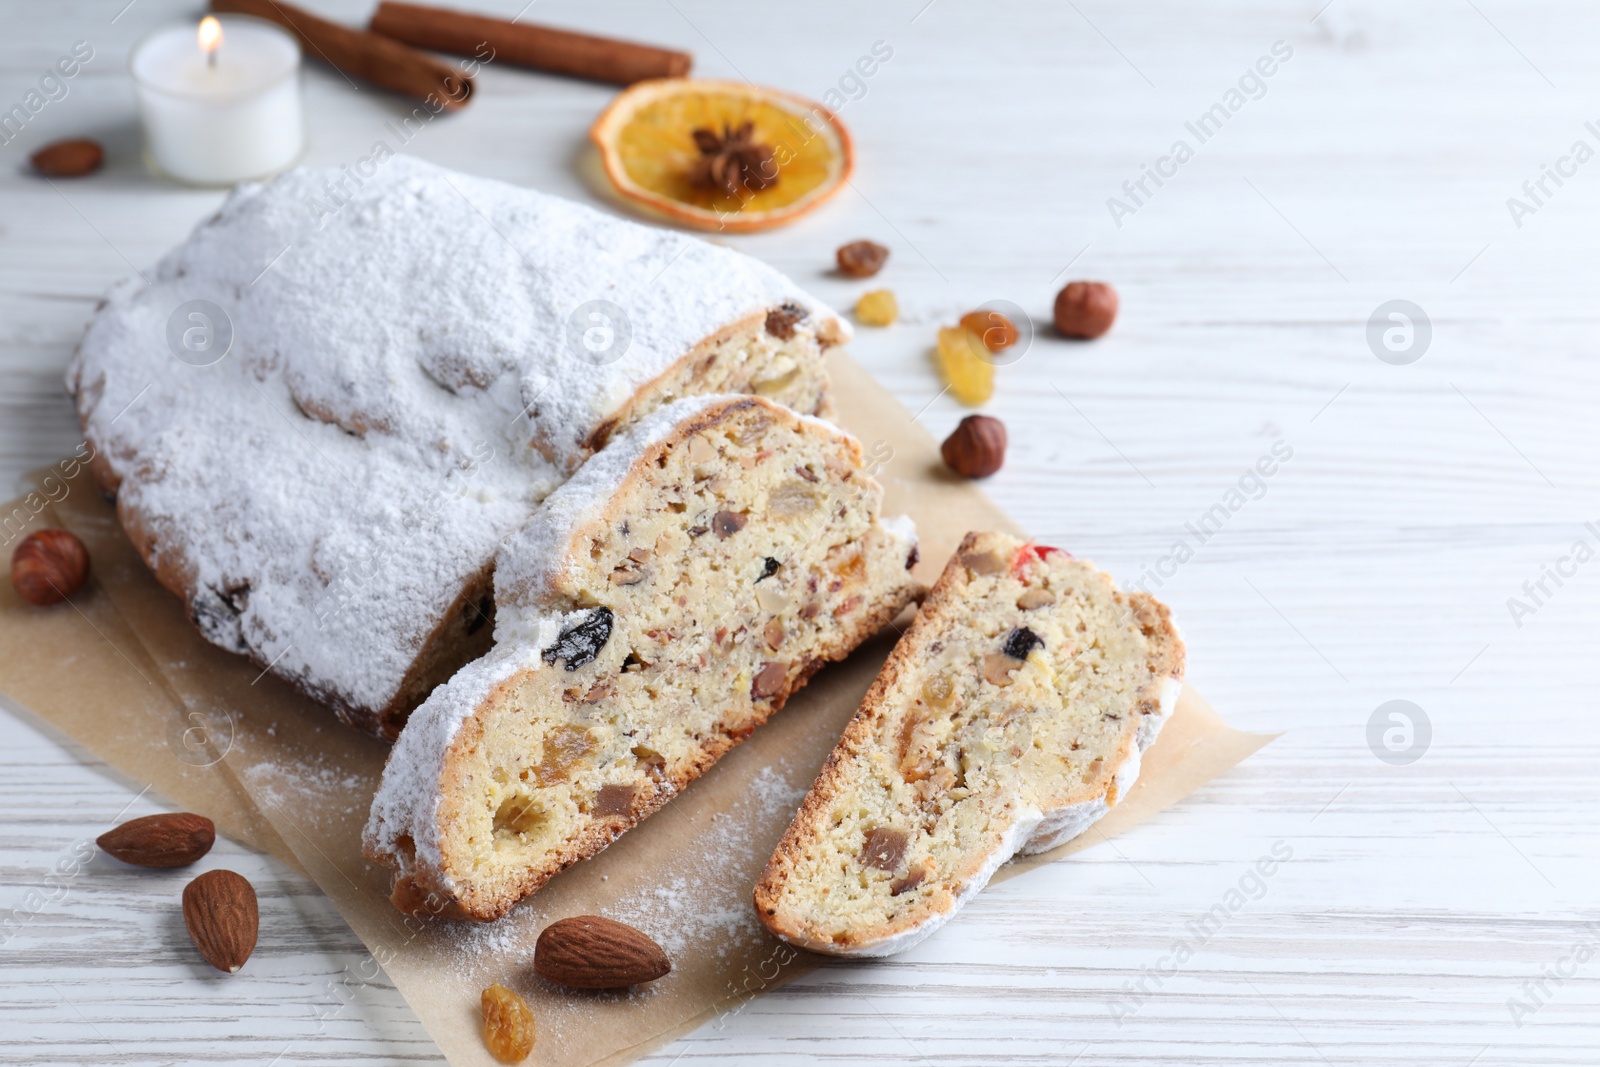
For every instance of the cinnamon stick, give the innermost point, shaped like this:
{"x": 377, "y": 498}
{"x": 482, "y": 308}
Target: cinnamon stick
{"x": 581, "y": 55}
{"x": 370, "y": 56}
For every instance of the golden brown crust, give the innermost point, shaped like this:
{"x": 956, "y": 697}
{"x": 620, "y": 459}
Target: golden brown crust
{"x": 1166, "y": 660}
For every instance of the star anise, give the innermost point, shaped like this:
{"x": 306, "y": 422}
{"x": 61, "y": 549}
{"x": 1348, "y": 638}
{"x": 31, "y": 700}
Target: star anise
{"x": 734, "y": 161}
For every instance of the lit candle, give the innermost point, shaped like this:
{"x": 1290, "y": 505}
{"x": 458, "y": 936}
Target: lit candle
{"x": 221, "y": 105}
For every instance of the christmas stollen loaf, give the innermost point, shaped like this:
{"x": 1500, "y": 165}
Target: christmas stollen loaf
{"x": 661, "y": 605}
{"x": 324, "y": 410}
{"x": 1009, "y": 718}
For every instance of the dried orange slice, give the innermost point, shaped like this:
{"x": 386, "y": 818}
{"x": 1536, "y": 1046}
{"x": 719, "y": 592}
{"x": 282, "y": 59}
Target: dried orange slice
{"x": 654, "y": 156}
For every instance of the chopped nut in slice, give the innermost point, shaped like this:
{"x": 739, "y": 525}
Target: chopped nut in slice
{"x": 984, "y": 562}
{"x": 769, "y": 681}
{"x": 701, "y": 450}
{"x": 791, "y": 499}
{"x": 998, "y": 668}
{"x": 508, "y": 1027}
{"x": 773, "y": 634}
{"x": 1033, "y": 599}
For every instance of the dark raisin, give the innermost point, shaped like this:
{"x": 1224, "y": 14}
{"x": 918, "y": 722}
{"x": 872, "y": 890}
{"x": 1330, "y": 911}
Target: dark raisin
{"x": 581, "y": 641}
{"x": 769, "y": 567}
{"x": 782, "y": 320}
{"x": 1021, "y": 641}
{"x": 916, "y": 554}
{"x": 861, "y": 259}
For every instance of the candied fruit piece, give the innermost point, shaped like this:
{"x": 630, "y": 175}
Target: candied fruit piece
{"x": 883, "y": 848}
{"x": 877, "y": 308}
{"x": 508, "y": 1027}
{"x": 565, "y": 746}
{"x": 962, "y": 360}
{"x": 993, "y": 328}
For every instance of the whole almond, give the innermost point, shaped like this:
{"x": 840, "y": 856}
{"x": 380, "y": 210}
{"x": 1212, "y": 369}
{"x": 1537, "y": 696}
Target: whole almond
{"x": 593, "y": 952}
{"x": 176, "y": 839}
{"x": 68, "y": 159}
{"x": 219, "y": 908}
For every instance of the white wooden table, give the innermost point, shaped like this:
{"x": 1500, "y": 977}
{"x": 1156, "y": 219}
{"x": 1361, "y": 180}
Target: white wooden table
{"x": 1421, "y": 899}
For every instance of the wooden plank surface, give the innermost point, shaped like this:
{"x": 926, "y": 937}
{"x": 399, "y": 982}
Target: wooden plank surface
{"x": 1374, "y": 565}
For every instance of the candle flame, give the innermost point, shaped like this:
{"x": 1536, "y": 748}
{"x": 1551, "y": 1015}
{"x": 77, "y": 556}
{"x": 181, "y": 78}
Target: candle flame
{"x": 210, "y": 36}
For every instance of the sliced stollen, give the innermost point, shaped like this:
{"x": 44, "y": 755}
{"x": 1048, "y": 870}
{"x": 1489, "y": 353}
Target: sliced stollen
{"x": 323, "y": 411}
{"x": 661, "y": 605}
{"x": 1009, "y": 717}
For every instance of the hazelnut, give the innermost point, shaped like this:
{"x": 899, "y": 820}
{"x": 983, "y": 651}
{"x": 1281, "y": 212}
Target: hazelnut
{"x": 1085, "y": 309}
{"x": 861, "y": 259}
{"x": 68, "y": 159}
{"x": 977, "y": 448}
{"x": 49, "y": 566}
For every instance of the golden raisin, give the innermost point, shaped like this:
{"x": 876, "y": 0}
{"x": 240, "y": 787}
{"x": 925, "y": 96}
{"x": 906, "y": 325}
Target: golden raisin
{"x": 508, "y": 1027}
{"x": 995, "y": 329}
{"x": 969, "y": 374}
{"x": 877, "y": 308}
{"x": 939, "y": 691}
{"x": 565, "y": 746}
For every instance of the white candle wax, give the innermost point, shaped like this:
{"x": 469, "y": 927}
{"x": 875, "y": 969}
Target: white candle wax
{"x": 215, "y": 120}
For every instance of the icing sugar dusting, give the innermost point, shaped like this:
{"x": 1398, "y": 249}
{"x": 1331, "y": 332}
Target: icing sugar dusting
{"x": 703, "y": 899}
{"x": 403, "y": 381}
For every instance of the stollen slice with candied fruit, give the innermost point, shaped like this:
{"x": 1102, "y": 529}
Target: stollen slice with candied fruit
{"x": 691, "y": 576}
{"x": 722, "y": 155}
{"x": 1009, "y": 718}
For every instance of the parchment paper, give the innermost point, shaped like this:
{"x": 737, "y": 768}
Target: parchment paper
{"x": 121, "y": 671}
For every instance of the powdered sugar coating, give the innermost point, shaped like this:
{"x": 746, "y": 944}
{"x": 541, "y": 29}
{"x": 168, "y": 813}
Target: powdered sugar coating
{"x": 405, "y": 803}
{"x": 406, "y": 381}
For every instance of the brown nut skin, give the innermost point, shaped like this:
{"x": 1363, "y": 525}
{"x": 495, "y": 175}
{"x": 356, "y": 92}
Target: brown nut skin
{"x": 593, "y": 952}
{"x": 219, "y": 908}
{"x": 172, "y": 839}
{"x": 68, "y": 159}
{"x": 1085, "y": 310}
{"x": 49, "y": 566}
{"x": 977, "y": 447}
{"x": 861, "y": 259}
